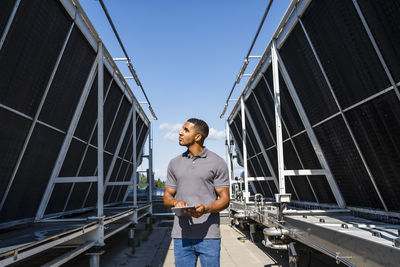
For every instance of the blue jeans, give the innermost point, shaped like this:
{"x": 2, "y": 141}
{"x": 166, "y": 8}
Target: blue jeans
{"x": 186, "y": 252}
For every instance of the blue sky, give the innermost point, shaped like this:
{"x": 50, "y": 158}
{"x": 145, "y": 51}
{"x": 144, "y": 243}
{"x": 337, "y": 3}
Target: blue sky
{"x": 187, "y": 54}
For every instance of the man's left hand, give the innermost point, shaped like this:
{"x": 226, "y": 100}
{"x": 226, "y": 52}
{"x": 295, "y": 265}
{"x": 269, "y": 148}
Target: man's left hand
{"x": 199, "y": 211}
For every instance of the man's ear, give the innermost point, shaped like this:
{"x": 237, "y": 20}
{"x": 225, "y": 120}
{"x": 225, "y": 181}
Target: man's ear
{"x": 198, "y": 137}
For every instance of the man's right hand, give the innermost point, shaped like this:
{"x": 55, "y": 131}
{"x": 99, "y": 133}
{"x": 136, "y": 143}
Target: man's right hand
{"x": 180, "y": 203}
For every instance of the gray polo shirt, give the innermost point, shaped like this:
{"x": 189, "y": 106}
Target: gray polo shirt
{"x": 195, "y": 180}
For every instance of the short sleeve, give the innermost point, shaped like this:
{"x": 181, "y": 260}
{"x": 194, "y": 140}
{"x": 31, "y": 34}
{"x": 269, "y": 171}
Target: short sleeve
{"x": 222, "y": 177}
{"x": 171, "y": 179}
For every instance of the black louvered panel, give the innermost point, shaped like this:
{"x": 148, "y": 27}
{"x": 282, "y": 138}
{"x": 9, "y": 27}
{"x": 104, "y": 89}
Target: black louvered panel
{"x": 6, "y": 8}
{"x": 322, "y": 189}
{"x": 141, "y": 140}
{"x": 264, "y": 165}
{"x": 382, "y": 17}
{"x": 345, "y": 50}
{"x": 88, "y": 118}
{"x": 266, "y": 103}
{"x": 289, "y": 187}
{"x": 376, "y": 127}
{"x": 92, "y": 196}
{"x": 106, "y": 163}
{"x": 128, "y": 174}
{"x": 237, "y": 135}
{"x": 252, "y": 140}
{"x": 107, "y": 194}
{"x": 110, "y": 109}
{"x": 60, "y": 191}
{"x": 116, "y": 168}
{"x": 122, "y": 171}
{"x": 346, "y": 165}
{"x": 273, "y": 187}
{"x": 119, "y": 123}
{"x": 12, "y": 138}
{"x": 306, "y": 75}
{"x": 72, "y": 159}
{"x": 259, "y": 122}
{"x": 89, "y": 165}
{"x": 122, "y": 193}
{"x": 114, "y": 193}
{"x": 127, "y": 142}
{"x": 33, "y": 175}
{"x": 300, "y": 182}
{"x": 267, "y": 190}
{"x": 30, "y": 52}
{"x": 306, "y": 151}
{"x": 69, "y": 81}
{"x": 78, "y": 196}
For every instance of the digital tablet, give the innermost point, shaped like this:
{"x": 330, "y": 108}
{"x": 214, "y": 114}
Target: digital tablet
{"x": 180, "y": 210}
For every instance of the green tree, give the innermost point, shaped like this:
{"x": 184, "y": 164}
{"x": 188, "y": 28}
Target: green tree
{"x": 159, "y": 184}
{"x": 143, "y": 180}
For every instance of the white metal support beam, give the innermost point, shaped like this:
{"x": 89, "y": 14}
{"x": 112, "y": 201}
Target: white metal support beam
{"x": 278, "y": 119}
{"x": 244, "y": 140}
{"x": 100, "y": 146}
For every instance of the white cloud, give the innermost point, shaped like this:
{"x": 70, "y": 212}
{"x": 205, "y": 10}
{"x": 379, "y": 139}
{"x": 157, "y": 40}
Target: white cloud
{"x": 170, "y": 127}
{"x": 171, "y": 136}
{"x": 215, "y": 134}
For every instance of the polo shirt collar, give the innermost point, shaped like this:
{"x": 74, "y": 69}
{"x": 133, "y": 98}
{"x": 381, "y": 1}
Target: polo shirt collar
{"x": 203, "y": 154}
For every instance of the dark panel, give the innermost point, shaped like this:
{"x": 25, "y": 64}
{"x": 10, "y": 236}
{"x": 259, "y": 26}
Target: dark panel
{"x": 273, "y": 187}
{"x": 72, "y": 159}
{"x": 78, "y": 196}
{"x": 119, "y": 123}
{"x": 322, "y": 189}
{"x": 128, "y": 174}
{"x": 13, "y": 131}
{"x": 88, "y": 119}
{"x": 106, "y": 162}
{"x": 68, "y": 82}
{"x": 127, "y": 141}
{"x": 306, "y": 151}
{"x": 345, "y": 164}
{"x": 33, "y": 174}
{"x": 264, "y": 165}
{"x": 58, "y": 198}
{"x": 286, "y": 105}
{"x": 107, "y": 194}
{"x": 383, "y": 19}
{"x": 141, "y": 140}
{"x": 122, "y": 193}
{"x": 114, "y": 193}
{"x": 258, "y": 120}
{"x": 345, "y": 51}
{"x": 307, "y": 77}
{"x": 376, "y": 127}
{"x": 92, "y": 197}
{"x": 111, "y": 107}
{"x": 89, "y": 164}
{"x": 300, "y": 182}
{"x": 251, "y": 140}
{"x": 114, "y": 173}
{"x": 267, "y": 190}
{"x": 236, "y": 129}
{"x": 289, "y": 187}
{"x": 6, "y": 8}
{"x": 30, "y": 52}
{"x": 122, "y": 171}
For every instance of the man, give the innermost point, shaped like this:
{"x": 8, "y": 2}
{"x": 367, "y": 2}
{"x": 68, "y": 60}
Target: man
{"x": 197, "y": 177}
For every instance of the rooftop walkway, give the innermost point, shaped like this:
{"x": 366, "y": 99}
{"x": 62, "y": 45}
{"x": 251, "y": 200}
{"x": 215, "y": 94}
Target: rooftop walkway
{"x": 156, "y": 250}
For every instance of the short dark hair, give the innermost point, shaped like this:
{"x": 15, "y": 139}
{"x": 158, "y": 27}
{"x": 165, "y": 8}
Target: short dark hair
{"x": 201, "y": 126}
